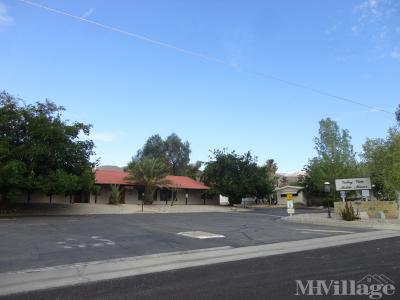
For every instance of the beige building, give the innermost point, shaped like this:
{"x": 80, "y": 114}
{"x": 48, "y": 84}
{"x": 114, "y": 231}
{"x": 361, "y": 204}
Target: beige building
{"x": 181, "y": 189}
{"x": 296, "y": 191}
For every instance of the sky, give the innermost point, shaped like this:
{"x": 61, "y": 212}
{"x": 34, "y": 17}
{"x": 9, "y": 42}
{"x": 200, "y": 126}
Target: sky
{"x": 205, "y": 71}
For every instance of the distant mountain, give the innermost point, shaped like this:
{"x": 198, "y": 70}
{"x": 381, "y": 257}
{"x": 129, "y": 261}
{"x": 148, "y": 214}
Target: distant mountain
{"x": 291, "y": 177}
{"x": 110, "y": 167}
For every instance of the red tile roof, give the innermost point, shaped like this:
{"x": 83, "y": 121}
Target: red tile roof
{"x": 104, "y": 176}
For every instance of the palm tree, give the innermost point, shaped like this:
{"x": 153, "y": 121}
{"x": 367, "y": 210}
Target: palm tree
{"x": 150, "y": 172}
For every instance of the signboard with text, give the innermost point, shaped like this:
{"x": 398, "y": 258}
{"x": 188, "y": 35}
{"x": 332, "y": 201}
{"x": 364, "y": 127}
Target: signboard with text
{"x": 353, "y": 184}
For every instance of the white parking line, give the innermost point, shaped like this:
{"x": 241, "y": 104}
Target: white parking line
{"x": 200, "y": 235}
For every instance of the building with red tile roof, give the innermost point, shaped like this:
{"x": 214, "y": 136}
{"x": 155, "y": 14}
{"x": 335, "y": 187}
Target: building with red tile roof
{"x": 104, "y": 176}
{"x": 180, "y": 189}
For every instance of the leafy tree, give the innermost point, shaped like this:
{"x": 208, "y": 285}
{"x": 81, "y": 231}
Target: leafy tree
{"x": 173, "y": 151}
{"x": 271, "y": 168}
{"x": 336, "y": 159}
{"x": 398, "y": 115}
{"x": 381, "y": 161}
{"x": 177, "y": 154}
{"x": 154, "y": 147}
{"x": 193, "y": 170}
{"x": 236, "y": 176}
{"x": 38, "y": 149}
{"x": 284, "y": 180}
{"x": 149, "y": 172}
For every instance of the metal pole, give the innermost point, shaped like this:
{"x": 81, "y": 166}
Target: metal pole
{"x": 329, "y": 210}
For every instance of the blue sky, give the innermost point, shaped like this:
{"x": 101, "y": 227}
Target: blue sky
{"x": 129, "y": 89}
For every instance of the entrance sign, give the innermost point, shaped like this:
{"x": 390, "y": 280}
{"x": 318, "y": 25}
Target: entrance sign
{"x": 289, "y": 196}
{"x": 365, "y": 193}
{"x": 353, "y": 184}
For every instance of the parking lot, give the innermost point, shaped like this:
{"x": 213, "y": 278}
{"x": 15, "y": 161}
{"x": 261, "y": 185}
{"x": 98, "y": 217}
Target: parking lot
{"x": 33, "y": 242}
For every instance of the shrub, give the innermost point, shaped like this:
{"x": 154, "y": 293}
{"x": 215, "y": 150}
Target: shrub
{"x": 115, "y": 194}
{"x": 347, "y": 212}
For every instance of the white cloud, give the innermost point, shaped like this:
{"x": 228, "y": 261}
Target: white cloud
{"x": 354, "y": 29}
{"x": 377, "y": 23}
{"x": 333, "y": 28}
{"x": 5, "y": 19}
{"x": 374, "y": 9}
{"x": 373, "y": 110}
{"x": 88, "y": 13}
{"x": 103, "y": 137}
{"x": 395, "y": 54}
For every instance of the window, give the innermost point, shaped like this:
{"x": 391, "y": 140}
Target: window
{"x": 165, "y": 195}
{"x": 293, "y": 194}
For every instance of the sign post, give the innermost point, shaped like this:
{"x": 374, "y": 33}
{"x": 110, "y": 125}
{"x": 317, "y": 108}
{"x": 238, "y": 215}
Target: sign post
{"x": 289, "y": 204}
{"x": 343, "y": 195}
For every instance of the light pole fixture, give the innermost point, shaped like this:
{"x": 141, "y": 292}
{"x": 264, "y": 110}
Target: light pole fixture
{"x": 327, "y": 189}
{"x": 373, "y": 192}
{"x": 142, "y": 201}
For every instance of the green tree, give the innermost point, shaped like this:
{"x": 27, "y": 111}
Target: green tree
{"x": 271, "y": 168}
{"x": 381, "y": 161}
{"x": 193, "y": 170}
{"x": 236, "y": 176}
{"x": 284, "y": 180}
{"x": 177, "y": 154}
{"x": 336, "y": 159}
{"x": 173, "y": 151}
{"x": 149, "y": 172}
{"x": 37, "y": 146}
{"x": 154, "y": 147}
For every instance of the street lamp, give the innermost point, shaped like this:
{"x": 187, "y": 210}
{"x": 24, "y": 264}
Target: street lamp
{"x": 327, "y": 189}
{"x": 372, "y": 197}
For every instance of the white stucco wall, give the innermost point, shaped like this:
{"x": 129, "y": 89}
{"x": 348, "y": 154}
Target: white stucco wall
{"x": 131, "y": 197}
{"x": 40, "y": 197}
{"x": 296, "y": 199}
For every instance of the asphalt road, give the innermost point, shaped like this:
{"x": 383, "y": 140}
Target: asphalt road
{"x": 262, "y": 278}
{"x": 33, "y": 242}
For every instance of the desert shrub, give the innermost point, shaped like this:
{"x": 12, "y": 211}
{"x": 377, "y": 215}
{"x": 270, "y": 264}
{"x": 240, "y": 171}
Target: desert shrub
{"x": 348, "y": 213}
{"x": 115, "y": 195}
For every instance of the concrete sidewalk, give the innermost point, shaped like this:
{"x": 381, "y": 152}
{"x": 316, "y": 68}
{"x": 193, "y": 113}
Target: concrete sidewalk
{"x": 56, "y": 209}
{"x": 58, "y": 276}
{"x": 322, "y": 219}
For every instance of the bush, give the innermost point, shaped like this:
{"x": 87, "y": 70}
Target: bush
{"x": 347, "y": 212}
{"x": 115, "y": 195}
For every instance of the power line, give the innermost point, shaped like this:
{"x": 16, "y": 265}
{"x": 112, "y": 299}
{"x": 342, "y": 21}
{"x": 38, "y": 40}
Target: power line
{"x": 203, "y": 56}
